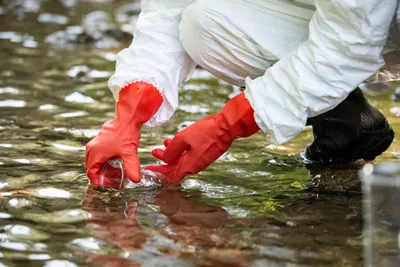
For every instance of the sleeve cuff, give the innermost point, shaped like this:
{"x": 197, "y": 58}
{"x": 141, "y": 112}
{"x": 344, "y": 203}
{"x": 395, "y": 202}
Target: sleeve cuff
{"x": 279, "y": 119}
{"x": 167, "y": 108}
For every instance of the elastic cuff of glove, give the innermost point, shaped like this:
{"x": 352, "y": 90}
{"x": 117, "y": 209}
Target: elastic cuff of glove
{"x": 141, "y": 100}
{"x": 140, "y": 86}
{"x": 239, "y": 117}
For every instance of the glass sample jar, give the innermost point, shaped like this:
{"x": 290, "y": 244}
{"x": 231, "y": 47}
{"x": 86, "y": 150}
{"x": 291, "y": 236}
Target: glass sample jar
{"x": 381, "y": 207}
{"x": 113, "y": 175}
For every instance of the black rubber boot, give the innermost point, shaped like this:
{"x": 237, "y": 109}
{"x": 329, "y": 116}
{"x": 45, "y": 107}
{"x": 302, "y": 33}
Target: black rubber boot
{"x": 353, "y": 130}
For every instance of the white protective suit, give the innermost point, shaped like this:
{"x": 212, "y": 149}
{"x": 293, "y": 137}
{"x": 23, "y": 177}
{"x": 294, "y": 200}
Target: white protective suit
{"x": 297, "y": 59}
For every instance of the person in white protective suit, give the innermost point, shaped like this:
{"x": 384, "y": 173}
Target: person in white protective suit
{"x": 300, "y": 62}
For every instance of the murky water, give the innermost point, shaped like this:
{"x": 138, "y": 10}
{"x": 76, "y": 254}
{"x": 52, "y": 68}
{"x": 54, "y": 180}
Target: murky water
{"x": 256, "y": 206}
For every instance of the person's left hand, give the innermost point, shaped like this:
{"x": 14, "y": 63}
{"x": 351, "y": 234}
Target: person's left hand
{"x": 191, "y": 150}
{"x": 196, "y": 147}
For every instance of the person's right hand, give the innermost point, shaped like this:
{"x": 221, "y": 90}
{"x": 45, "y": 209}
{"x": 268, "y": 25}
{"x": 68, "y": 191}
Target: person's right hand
{"x": 119, "y": 137}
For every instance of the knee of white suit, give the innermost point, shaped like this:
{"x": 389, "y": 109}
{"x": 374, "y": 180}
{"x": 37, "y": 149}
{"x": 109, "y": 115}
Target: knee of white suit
{"x": 216, "y": 42}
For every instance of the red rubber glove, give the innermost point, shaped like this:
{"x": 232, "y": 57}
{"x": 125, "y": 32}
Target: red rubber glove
{"x": 196, "y": 147}
{"x": 119, "y": 137}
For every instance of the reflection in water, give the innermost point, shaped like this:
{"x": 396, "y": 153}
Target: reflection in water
{"x": 170, "y": 224}
{"x": 114, "y": 219}
{"x": 184, "y": 222}
{"x": 257, "y": 205}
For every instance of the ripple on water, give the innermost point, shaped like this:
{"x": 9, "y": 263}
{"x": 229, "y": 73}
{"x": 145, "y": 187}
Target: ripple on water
{"x": 52, "y": 193}
{"x": 39, "y": 257}
{"x": 20, "y": 182}
{"x": 9, "y": 90}
{"x": 195, "y": 87}
{"x": 47, "y": 107}
{"x": 72, "y": 114}
{"x": 215, "y": 191}
{"x": 90, "y": 133}
{"x": 63, "y": 216}
{"x": 6, "y": 145}
{"x": 17, "y": 232}
{"x": 12, "y": 103}
{"x": 30, "y": 44}
{"x": 194, "y": 109}
{"x": 94, "y": 87}
{"x": 69, "y": 176}
{"x": 18, "y": 203}
{"x": 59, "y": 263}
{"x": 12, "y": 36}
{"x": 69, "y": 148}
{"x": 168, "y": 261}
{"x": 294, "y": 255}
{"x": 79, "y": 98}
{"x": 23, "y": 246}
{"x": 3, "y": 184}
{"x": 83, "y": 73}
{"x": 53, "y": 18}
{"x": 87, "y": 244}
{"x": 236, "y": 212}
{"x": 55, "y": 100}
{"x": 23, "y": 161}
{"x": 5, "y": 215}
{"x": 24, "y": 256}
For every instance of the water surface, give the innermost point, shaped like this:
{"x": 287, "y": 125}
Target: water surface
{"x": 258, "y": 205}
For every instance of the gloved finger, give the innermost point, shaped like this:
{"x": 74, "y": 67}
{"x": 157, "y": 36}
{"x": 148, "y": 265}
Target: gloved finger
{"x": 189, "y": 163}
{"x": 132, "y": 166}
{"x": 88, "y": 150}
{"x": 167, "y": 142}
{"x": 86, "y": 156}
{"x": 175, "y": 149}
{"x": 158, "y": 153}
{"x": 94, "y": 166}
{"x": 163, "y": 169}
{"x": 181, "y": 170}
{"x": 93, "y": 173}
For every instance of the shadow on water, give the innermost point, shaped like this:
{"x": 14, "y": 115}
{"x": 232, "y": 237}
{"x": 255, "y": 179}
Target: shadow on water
{"x": 258, "y": 205}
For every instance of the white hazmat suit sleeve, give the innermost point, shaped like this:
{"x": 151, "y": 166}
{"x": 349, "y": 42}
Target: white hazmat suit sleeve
{"x": 156, "y": 55}
{"x": 343, "y": 49}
